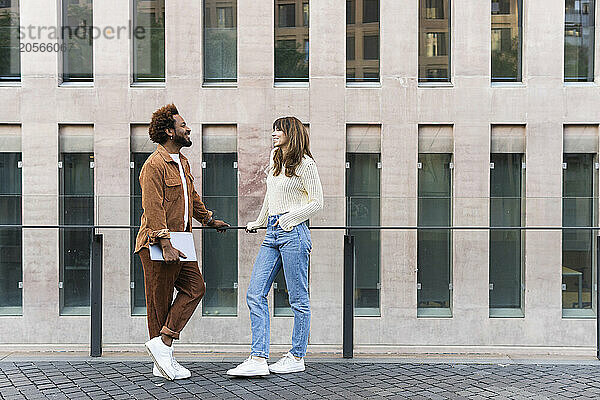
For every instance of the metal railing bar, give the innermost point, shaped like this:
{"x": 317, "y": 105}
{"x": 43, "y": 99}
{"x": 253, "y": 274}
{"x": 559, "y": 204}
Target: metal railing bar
{"x": 350, "y": 227}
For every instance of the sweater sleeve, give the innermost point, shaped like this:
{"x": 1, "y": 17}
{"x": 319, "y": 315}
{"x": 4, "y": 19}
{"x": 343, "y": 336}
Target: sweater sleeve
{"x": 261, "y": 220}
{"x": 263, "y": 215}
{"x": 312, "y": 184}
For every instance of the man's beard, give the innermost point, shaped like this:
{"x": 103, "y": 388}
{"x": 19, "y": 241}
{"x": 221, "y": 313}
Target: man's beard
{"x": 183, "y": 142}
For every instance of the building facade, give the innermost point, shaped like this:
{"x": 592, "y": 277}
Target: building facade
{"x": 425, "y": 113}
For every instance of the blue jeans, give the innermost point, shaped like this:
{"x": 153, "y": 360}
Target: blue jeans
{"x": 290, "y": 250}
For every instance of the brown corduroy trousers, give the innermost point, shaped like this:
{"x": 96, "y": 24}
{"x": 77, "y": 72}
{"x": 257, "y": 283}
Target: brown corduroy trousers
{"x": 160, "y": 280}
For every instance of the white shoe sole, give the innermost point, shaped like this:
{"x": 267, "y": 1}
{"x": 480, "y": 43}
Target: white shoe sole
{"x": 164, "y": 374}
{"x": 247, "y": 374}
{"x": 288, "y": 371}
{"x": 159, "y": 375}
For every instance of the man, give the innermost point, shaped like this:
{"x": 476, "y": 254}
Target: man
{"x": 169, "y": 201}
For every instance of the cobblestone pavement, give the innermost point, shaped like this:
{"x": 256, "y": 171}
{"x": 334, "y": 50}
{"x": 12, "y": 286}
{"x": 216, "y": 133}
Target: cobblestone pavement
{"x": 322, "y": 380}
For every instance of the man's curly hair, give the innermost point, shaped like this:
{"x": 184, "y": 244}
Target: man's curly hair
{"x": 162, "y": 119}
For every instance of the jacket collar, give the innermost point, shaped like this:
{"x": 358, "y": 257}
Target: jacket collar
{"x": 166, "y": 156}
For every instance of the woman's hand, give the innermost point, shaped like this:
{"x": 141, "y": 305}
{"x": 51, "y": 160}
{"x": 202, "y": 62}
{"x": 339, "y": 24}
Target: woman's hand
{"x": 283, "y": 224}
{"x": 250, "y": 228}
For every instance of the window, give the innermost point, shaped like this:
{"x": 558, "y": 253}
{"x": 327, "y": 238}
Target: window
{"x": 436, "y": 73}
{"x": 350, "y": 12}
{"x": 371, "y": 47}
{"x": 76, "y": 208}
{"x": 371, "y": 75}
{"x": 11, "y": 265}
{"x": 220, "y": 42}
{"x": 10, "y": 54}
{"x": 434, "y": 41}
{"x": 362, "y": 44}
{"x": 502, "y": 39}
{"x": 370, "y": 11}
{"x": 138, "y": 297}
{"x": 434, "y": 259}
{"x": 434, "y": 9}
{"x": 506, "y": 257}
{"x": 363, "y": 209}
{"x": 501, "y": 7}
{"x": 281, "y": 299}
{"x": 287, "y": 15}
{"x": 207, "y": 17}
{"x": 579, "y": 40}
{"x": 507, "y": 27}
{"x": 77, "y": 38}
{"x": 577, "y": 245}
{"x": 224, "y": 17}
{"x": 350, "y": 46}
{"x": 149, "y": 42}
{"x": 305, "y": 15}
{"x": 306, "y": 50}
{"x": 291, "y": 43}
{"x": 220, "y": 251}
{"x": 436, "y": 44}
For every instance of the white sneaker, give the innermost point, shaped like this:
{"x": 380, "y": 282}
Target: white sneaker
{"x": 155, "y": 371}
{"x": 162, "y": 355}
{"x": 182, "y": 372}
{"x": 287, "y": 364}
{"x": 251, "y": 367}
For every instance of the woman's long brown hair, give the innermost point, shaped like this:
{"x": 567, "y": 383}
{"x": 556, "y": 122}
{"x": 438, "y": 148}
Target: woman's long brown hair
{"x": 298, "y": 145}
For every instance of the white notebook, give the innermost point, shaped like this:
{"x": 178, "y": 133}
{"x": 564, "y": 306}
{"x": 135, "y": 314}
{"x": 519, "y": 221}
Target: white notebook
{"x": 182, "y": 241}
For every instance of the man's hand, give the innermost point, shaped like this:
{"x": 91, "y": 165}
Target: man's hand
{"x": 170, "y": 253}
{"x": 219, "y": 225}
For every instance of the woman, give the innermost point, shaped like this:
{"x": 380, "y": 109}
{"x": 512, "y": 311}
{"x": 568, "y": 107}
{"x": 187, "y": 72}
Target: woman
{"x": 294, "y": 194}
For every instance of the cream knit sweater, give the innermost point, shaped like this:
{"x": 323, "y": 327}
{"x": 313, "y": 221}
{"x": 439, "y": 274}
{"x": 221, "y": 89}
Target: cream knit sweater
{"x": 299, "y": 197}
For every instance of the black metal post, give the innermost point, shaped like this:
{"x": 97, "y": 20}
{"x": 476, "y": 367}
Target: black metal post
{"x": 597, "y": 297}
{"x": 96, "y": 297}
{"x": 348, "y": 323}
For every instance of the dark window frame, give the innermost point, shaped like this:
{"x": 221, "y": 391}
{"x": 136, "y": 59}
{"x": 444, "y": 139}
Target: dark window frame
{"x": 519, "y": 49}
{"x": 16, "y": 51}
{"x": 68, "y": 34}
{"x": 424, "y": 75}
{"x": 279, "y": 14}
{"x": 11, "y": 199}
{"x": 220, "y": 36}
{"x": 137, "y": 77}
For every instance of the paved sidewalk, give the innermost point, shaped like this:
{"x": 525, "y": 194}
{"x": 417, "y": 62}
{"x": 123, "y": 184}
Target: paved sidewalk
{"x": 114, "y": 378}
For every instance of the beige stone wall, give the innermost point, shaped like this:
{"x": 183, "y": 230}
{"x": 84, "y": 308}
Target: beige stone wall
{"x": 542, "y": 103}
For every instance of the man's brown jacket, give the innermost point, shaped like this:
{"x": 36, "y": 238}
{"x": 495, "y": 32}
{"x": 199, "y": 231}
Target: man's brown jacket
{"x": 163, "y": 199}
